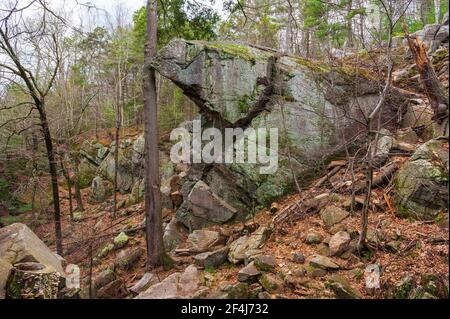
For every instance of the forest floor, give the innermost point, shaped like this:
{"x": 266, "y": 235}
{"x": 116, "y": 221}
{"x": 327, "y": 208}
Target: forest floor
{"x": 422, "y": 247}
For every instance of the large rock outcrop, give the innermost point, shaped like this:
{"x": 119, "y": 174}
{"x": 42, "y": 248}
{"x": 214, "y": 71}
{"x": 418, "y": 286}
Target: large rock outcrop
{"x": 421, "y": 185}
{"x": 18, "y": 246}
{"x": 237, "y": 85}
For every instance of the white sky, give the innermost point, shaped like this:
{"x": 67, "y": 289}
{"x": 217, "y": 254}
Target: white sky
{"x": 91, "y": 13}
{"x": 78, "y": 9}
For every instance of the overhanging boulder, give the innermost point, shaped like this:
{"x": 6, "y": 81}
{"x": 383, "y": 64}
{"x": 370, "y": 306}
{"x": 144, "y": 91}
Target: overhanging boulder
{"x": 239, "y": 86}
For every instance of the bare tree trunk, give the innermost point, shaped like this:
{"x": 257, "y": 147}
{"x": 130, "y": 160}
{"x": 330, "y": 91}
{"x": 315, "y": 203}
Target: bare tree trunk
{"x": 437, "y": 11}
{"x": 116, "y": 161}
{"x": 436, "y": 94}
{"x": 54, "y": 177}
{"x": 289, "y": 30}
{"x": 76, "y": 183}
{"x": 155, "y": 247}
{"x": 117, "y": 134}
{"x": 69, "y": 187}
{"x": 349, "y": 27}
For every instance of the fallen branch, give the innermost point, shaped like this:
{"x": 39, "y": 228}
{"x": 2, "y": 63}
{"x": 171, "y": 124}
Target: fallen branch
{"x": 386, "y": 172}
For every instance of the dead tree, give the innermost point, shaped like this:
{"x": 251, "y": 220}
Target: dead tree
{"x": 155, "y": 247}
{"x": 437, "y": 96}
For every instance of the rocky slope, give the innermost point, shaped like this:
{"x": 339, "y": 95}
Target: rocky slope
{"x": 226, "y": 231}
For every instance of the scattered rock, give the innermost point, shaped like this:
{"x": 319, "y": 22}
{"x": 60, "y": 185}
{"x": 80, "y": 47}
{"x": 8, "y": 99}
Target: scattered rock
{"x": 323, "y": 262}
{"x": 332, "y": 215}
{"x": 406, "y": 135}
{"x": 203, "y": 240}
{"x": 372, "y": 277}
{"x": 128, "y": 258}
{"x": 274, "y": 208}
{"x": 339, "y": 243}
{"x": 403, "y": 289}
{"x": 5, "y": 270}
{"x": 394, "y": 246}
{"x": 176, "y": 285}
{"x": 264, "y": 295}
{"x": 314, "y": 272}
{"x": 383, "y": 147}
{"x": 337, "y": 228}
{"x": 226, "y": 290}
{"x": 240, "y": 246}
{"x": 323, "y": 249}
{"x": 248, "y": 274}
{"x": 265, "y": 262}
{"x": 105, "y": 250}
{"x": 147, "y": 280}
{"x": 313, "y": 238}
{"x": 102, "y": 279}
{"x": 251, "y": 254}
{"x": 342, "y": 288}
{"x": 212, "y": 258}
{"x": 298, "y": 257}
{"x": 271, "y": 283}
{"x": 73, "y": 277}
{"x": 121, "y": 240}
{"x": 114, "y": 290}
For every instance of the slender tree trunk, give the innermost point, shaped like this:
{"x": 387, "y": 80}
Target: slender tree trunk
{"x": 117, "y": 135}
{"x": 116, "y": 167}
{"x": 76, "y": 183}
{"x": 155, "y": 247}
{"x": 289, "y": 30}
{"x": 437, "y": 11}
{"x": 349, "y": 27}
{"x": 69, "y": 187}
{"x": 54, "y": 176}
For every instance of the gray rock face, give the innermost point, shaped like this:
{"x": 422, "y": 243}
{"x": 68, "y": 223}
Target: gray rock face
{"x": 228, "y": 81}
{"x": 176, "y": 286}
{"x": 100, "y": 189}
{"x": 421, "y": 185}
{"x": 124, "y": 170}
{"x": 174, "y": 234}
{"x": 207, "y": 207}
{"x": 19, "y": 244}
